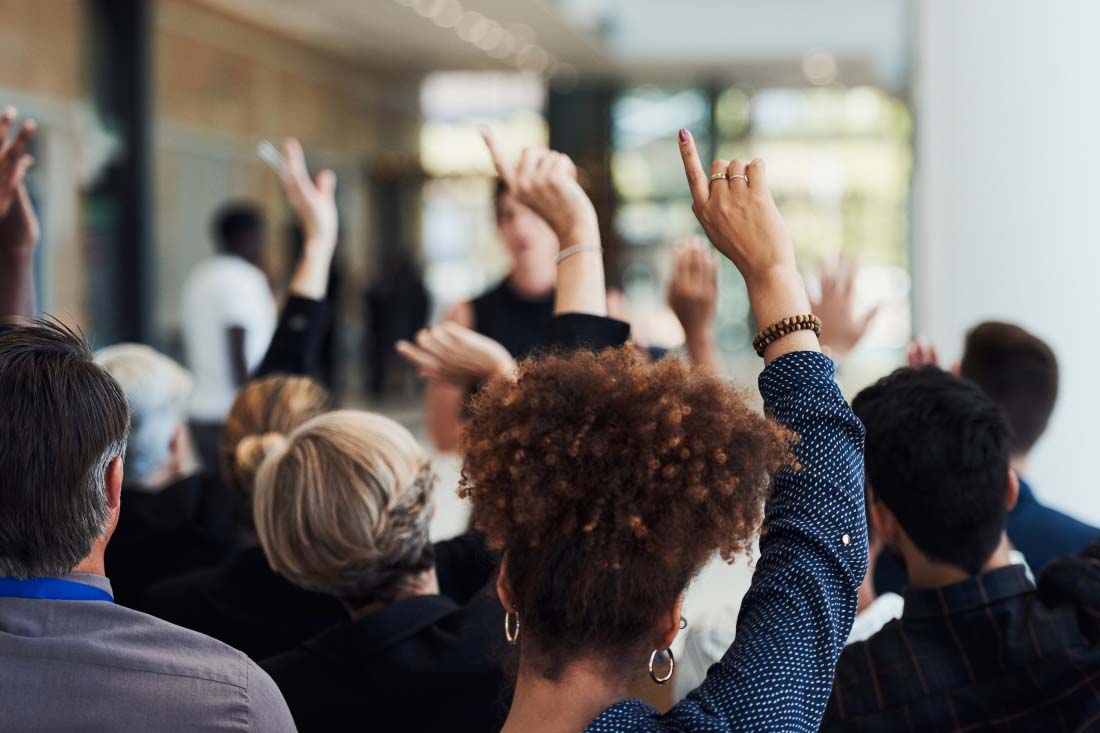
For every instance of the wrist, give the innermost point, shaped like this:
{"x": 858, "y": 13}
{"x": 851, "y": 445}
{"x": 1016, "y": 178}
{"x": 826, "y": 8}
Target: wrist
{"x": 579, "y": 233}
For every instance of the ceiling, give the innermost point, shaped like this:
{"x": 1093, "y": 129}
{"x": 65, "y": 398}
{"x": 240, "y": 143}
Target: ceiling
{"x": 632, "y": 39}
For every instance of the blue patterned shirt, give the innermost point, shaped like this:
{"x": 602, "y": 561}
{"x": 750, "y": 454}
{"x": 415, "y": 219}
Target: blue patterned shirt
{"x": 794, "y": 620}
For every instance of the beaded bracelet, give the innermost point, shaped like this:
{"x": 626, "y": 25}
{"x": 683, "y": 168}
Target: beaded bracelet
{"x": 783, "y": 328}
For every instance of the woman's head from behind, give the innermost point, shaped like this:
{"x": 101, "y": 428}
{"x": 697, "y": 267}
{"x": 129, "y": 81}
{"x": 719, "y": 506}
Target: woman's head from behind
{"x": 343, "y": 507}
{"x": 608, "y": 483}
{"x": 264, "y": 413}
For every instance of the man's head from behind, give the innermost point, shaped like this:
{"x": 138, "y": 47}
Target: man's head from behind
{"x": 937, "y": 462}
{"x": 1019, "y": 371}
{"x": 63, "y": 429}
{"x": 157, "y": 389}
{"x": 240, "y": 229}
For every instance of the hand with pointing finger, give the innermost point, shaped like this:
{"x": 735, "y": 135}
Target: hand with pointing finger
{"x": 546, "y": 181}
{"x": 740, "y": 217}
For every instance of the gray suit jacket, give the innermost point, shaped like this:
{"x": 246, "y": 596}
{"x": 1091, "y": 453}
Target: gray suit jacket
{"x": 97, "y": 666}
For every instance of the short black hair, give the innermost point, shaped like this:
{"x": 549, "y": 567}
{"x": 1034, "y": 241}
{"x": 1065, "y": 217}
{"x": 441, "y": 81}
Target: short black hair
{"x": 1019, "y": 371}
{"x": 62, "y": 420}
{"x": 236, "y": 222}
{"x": 937, "y": 455}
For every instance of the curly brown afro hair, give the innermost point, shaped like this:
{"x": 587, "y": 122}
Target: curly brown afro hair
{"x": 608, "y": 482}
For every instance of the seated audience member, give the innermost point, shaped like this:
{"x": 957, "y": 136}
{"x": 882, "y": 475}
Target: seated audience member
{"x": 160, "y": 530}
{"x": 342, "y": 508}
{"x": 1019, "y": 371}
{"x": 242, "y": 601}
{"x": 74, "y": 659}
{"x": 977, "y": 646}
{"x": 607, "y": 482}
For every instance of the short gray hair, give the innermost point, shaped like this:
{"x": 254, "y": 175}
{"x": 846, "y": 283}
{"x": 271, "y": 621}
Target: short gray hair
{"x": 63, "y": 419}
{"x": 157, "y": 389}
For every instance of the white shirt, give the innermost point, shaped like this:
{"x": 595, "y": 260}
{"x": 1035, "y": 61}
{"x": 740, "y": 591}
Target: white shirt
{"x": 223, "y": 292}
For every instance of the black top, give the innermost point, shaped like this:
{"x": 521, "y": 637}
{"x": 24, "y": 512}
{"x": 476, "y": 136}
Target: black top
{"x": 991, "y": 653}
{"x": 517, "y": 323}
{"x": 160, "y": 535}
{"x": 426, "y": 663}
{"x": 246, "y": 604}
{"x": 296, "y": 343}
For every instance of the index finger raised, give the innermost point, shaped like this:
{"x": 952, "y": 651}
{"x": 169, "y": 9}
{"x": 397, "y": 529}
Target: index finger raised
{"x": 505, "y": 170}
{"x": 697, "y": 178}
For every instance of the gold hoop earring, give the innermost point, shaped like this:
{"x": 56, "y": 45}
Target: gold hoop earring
{"x": 511, "y": 635}
{"x": 660, "y": 680}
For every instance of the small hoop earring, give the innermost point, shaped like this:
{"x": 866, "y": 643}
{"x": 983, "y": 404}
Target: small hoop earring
{"x": 511, "y": 635}
{"x": 661, "y": 679}
{"x": 683, "y": 623}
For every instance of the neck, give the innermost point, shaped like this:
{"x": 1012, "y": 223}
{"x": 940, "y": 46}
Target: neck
{"x": 538, "y": 703}
{"x": 93, "y": 563}
{"x": 925, "y": 573}
{"x": 866, "y": 595}
{"x": 532, "y": 280}
{"x": 1019, "y": 464}
{"x": 425, "y": 584}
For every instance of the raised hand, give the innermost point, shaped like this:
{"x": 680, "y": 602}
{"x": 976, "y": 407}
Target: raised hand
{"x": 922, "y": 352}
{"x": 693, "y": 291}
{"x": 546, "y": 182}
{"x": 313, "y": 199}
{"x": 739, "y": 216}
{"x": 14, "y": 160}
{"x": 842, "y": 328}
{"x": 455, "y": 354}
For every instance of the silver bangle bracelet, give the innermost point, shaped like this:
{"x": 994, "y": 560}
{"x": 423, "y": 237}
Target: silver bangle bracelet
{"x": 576, "y": 249}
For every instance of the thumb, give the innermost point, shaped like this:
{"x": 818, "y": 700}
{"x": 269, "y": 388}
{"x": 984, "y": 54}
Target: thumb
{"x": 325, "y": 181}
{"x": 865, "y": 323}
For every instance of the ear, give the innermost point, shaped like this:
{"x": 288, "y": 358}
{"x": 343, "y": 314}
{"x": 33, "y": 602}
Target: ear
{"x": 503, "y": 591}
{"x": 669, "y": 624}
{"x": 112, "y": 483}
{"x": 1012, "y": 493}
{"x": 883, "y": 522}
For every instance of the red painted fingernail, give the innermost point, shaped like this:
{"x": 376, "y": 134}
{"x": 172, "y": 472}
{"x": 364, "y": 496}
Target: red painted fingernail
{"x": 683, "y": 135}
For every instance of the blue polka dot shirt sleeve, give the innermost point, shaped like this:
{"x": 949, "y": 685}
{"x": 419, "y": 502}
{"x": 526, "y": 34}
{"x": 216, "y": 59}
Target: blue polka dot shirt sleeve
{"x": 798, "y": 612}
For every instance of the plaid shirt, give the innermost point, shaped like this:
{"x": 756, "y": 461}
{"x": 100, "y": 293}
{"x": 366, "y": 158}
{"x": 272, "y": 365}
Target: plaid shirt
{"x": 991, "y": 653}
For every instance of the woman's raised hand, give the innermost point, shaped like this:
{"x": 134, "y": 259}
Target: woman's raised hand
{"x": 313, "y": 199}
{"x": 546, "y": 181}
{"x": 738, "y": 213}
{"x": 451, "y": 353}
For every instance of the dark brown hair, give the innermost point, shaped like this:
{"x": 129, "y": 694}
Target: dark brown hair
{"x": 608, "y": 482}
{"x": 63, "y": 419}
{"x": 1019, "y": 372}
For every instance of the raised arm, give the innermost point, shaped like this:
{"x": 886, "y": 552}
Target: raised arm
{"x": 18, "y": 224}
{"x": 813, "y": 550}
{"x": 297, "y": 339}
{"x": 693, "y": 297}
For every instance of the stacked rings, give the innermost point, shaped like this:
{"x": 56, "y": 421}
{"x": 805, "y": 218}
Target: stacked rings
{"x": 783, "y": 328}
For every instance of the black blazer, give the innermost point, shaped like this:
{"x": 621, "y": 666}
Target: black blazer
{"x": 426, "y": 663}
{"x": 246, "y": 604}
{"x": 161, "y": 535}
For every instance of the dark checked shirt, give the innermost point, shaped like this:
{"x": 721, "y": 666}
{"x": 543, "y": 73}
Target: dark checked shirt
{"x": 813, "y": 556}
{"x": 991, "y": 653}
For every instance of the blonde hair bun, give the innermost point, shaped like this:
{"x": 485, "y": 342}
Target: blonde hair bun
{"x": 253, "y": 449}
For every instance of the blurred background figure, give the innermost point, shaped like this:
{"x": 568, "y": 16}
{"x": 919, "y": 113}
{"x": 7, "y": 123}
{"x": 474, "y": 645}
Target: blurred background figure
{"x": 397, "y": 307}
{"x": 228, "y": 316}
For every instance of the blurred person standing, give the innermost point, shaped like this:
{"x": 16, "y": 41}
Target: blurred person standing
{"x": 228, "y": 317}
{"x": 515, "y": 312}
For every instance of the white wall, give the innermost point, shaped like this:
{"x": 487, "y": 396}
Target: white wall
{"x": 1007, "y": 184}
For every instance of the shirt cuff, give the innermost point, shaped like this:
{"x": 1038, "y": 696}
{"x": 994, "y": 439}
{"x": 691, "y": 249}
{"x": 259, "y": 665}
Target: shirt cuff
{"x": 792, "y": 372}
{"x": 582, "y": 330}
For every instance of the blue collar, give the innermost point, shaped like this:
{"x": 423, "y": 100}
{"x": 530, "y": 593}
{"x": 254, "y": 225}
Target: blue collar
{"x": 54, "y": 589}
